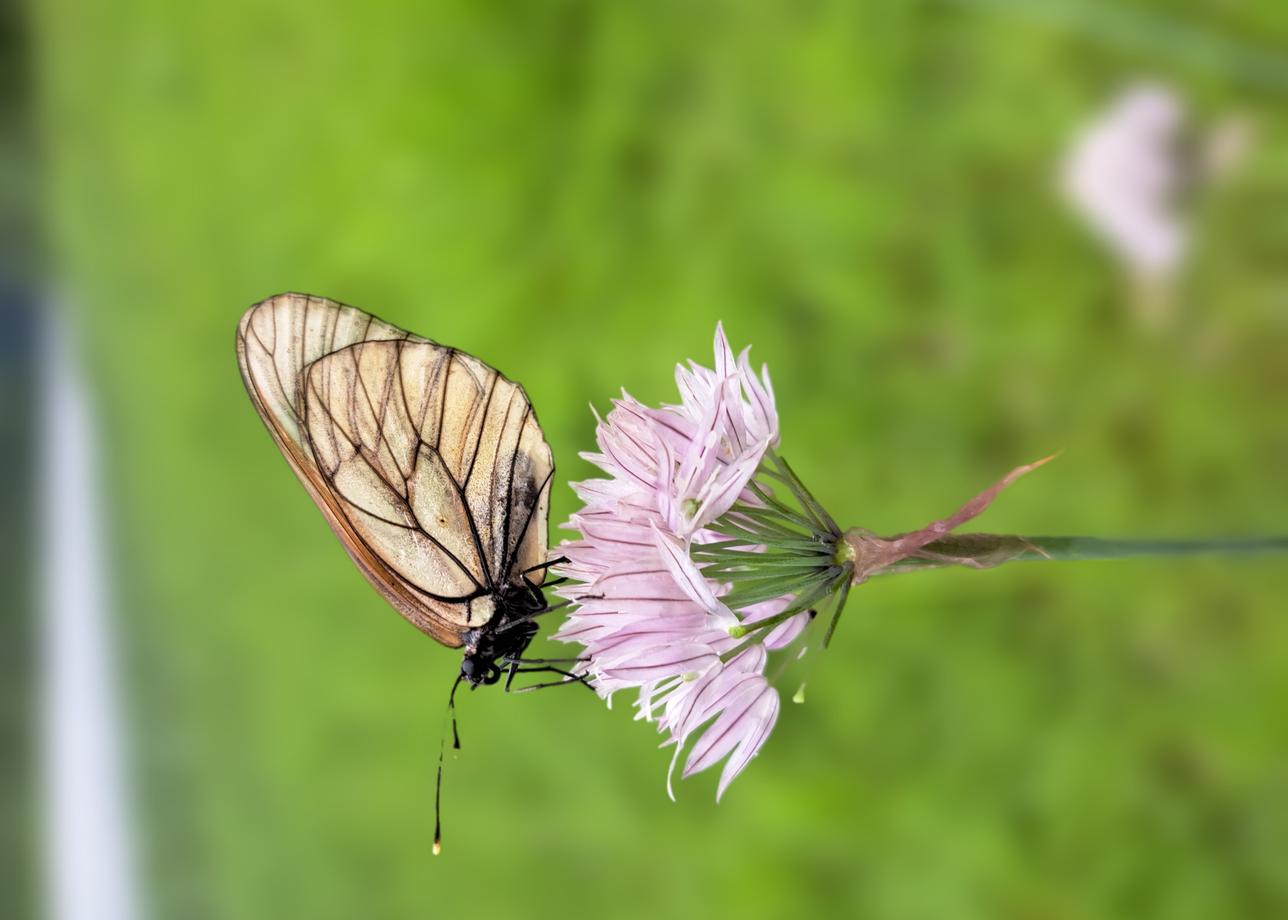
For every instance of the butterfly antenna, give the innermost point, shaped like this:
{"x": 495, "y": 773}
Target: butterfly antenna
{"x": 438, "y": 783}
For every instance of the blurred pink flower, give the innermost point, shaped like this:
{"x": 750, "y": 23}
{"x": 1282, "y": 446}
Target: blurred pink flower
{"x": 648, "y": 618}
{"x": 1124, "y": 176}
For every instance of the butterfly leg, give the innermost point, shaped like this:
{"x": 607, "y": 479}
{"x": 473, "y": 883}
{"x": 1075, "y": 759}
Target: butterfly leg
{"x": 553, "y": 683}
{"x": 536, "y": 599}
{"x": 545, "y": 565}
{"x": 569, "y": 678}
{"x": 532, "y": 616}
{"x": 511, "y": 671}
{"x": 535, "y": 596}
{"x": 568, "y": 660}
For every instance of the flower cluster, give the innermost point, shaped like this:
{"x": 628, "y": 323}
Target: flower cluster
{"x": 701, "y": 551}
{"x": 649, "y": 618}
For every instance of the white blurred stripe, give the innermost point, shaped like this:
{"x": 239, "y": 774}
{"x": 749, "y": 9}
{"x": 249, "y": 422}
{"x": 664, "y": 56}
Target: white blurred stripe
{"x": 89, "y": 857}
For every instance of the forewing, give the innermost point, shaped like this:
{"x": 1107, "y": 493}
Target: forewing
{"x": 278, "y": 337}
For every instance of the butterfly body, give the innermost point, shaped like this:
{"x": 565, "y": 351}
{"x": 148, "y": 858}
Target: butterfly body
{"x": 429, "y": 466}
{"x": 504, "y": 638}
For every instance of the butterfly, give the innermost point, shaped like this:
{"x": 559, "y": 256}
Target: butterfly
{"x": 429, "y": 465}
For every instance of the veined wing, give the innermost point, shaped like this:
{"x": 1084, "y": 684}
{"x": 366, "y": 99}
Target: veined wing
{"x": 278, "y": 337}
{"x": 439, "y": 463}
{"x": 431, "y": 551}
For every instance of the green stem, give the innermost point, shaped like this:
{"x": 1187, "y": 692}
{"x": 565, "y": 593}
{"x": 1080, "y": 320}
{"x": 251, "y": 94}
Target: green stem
{"x": 987, "y": 550}
{"x": 1071, "y": 548}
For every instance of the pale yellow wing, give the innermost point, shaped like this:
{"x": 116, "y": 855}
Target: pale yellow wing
{"x": 428, "y": 464}
{"x": 438, "y": 461}
{"x": 278, "y": 337}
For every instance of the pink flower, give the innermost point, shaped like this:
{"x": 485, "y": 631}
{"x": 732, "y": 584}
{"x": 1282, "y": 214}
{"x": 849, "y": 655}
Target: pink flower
{"x": 701, "y": 552}
{"x": 1124, "y": 176}
{"x": 648, "y": 618}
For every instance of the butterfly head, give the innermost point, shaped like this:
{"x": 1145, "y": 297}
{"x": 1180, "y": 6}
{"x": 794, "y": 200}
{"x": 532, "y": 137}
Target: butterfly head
{"x": 477, "y": 669}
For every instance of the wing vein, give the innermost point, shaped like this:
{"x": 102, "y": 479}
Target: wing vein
{"x": 523, "y": 532}
{"x": 442, "y": 401}
{"x": 408, "y": 527}
{"x": 507, "y": 561}
{"x": 478, "y": 438}
{"x": 469, "y": 517}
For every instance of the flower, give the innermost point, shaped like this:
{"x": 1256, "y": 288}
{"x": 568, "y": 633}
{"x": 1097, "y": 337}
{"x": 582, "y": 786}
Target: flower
{"x": 647, "y": 615}
{"x": 1124, "y": 176}
{"x": 701, "y": 551}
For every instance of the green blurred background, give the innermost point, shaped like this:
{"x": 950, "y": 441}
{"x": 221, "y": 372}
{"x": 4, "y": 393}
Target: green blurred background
{"x": 576, "y": 192}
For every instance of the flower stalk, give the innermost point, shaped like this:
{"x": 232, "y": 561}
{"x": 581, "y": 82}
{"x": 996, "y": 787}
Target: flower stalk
{"x": 986, "y": 550}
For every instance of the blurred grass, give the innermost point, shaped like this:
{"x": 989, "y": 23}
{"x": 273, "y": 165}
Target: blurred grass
{"x": 576, "y": 192}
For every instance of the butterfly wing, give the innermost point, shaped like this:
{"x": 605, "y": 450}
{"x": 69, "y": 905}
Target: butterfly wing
{"x": 428, "y": 464}
{"x": 278, "y": 337}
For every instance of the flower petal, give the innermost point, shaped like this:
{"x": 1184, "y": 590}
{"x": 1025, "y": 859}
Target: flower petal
{"x": 724, "y": 489}
{"x": 687, "y": 576}
{"x": 760, "y": 718}
{"x": 661, "y": 661}
{"x": 733, "y": 724}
